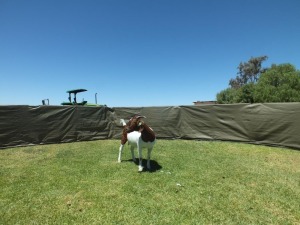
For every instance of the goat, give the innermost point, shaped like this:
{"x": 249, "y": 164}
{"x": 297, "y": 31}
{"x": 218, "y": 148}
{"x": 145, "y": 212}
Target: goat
{"x": 144, "y": 138}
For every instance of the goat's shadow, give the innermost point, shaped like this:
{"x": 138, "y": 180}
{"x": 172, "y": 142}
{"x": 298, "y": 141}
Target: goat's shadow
{"x": 153, "y": 164}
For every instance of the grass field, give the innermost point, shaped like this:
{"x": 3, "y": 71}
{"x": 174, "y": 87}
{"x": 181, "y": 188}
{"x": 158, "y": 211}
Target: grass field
{"x": 192, "y": 182}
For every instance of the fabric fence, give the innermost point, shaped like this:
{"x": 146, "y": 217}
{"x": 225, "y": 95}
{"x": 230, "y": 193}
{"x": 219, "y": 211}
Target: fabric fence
{"x": 275, "y": 124}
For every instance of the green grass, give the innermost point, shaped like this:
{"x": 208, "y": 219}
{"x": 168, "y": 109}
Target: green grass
{"x": 193, "y": 182}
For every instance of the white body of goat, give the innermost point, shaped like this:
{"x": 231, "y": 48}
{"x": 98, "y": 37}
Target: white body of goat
{"x": 135, "y": 141}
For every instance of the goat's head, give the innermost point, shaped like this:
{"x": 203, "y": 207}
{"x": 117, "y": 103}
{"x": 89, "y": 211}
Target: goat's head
{"x": 135, "y": 122}
{"x": 147, "y": 133}
{"x": 140, "y": 125}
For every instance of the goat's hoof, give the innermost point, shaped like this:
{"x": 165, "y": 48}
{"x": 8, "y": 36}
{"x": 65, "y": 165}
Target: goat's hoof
{"x": 141, "y": 169}
{"x": 119, "y": 161}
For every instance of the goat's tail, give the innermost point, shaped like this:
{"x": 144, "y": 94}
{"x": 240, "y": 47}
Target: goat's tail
{"x": 122, "y": 121}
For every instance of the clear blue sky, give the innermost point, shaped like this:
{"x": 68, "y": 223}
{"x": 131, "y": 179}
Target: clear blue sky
{"x": 138, "y": 52}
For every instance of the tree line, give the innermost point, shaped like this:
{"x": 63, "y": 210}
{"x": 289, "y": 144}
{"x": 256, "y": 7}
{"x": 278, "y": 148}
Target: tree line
{"x": 255, "y": 84}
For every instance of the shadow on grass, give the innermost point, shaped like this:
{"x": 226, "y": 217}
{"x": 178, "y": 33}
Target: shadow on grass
{"x": 153, "y": 164}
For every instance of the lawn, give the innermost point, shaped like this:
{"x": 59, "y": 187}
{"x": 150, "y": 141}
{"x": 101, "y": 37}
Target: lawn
{"x": 191, "y": 182}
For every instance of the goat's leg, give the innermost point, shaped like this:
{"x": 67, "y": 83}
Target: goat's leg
{"x": 132, "y": 153}
{"x": 148, "y": 158}
{"x": 140, "y": 159}
{"x": 120, "y": 152}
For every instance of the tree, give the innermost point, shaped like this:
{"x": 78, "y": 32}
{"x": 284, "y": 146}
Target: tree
{"x": 249, "y": 72}
{"x": 246, "y": 93}
{"x": 227, "y": 96}
{"x": 242, "y": 87}
{"x": 280, "y": 83}
{"x": 237, "y": 95}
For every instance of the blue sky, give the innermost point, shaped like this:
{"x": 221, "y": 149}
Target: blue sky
{"x": 138, "y": 52}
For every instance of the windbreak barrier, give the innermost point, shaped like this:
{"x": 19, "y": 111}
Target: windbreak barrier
{"x": 276, "y": 124}
{"x": 25, "y": 125}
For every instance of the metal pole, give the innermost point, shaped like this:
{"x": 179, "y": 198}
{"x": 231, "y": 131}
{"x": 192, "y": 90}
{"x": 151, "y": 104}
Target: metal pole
{"x": 96, "y": 98}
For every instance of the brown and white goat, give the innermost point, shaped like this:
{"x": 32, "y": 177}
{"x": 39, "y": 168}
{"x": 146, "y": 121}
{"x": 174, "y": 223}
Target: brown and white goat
{"x": 143, "y": 138}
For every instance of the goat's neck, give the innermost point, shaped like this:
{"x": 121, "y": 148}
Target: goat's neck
{"x": 146, "y": 129}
